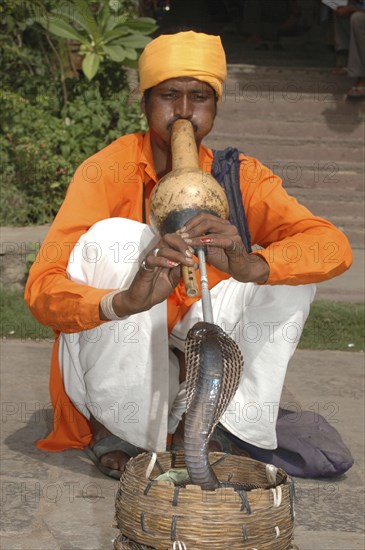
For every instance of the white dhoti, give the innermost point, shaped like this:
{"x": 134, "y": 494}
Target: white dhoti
{"x": 123, "y": 373}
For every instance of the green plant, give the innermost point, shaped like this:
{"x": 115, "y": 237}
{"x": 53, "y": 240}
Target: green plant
{"x": 52, "y": 120}
{"x": 41, "y": 150}
{"x": 100, "y": 30}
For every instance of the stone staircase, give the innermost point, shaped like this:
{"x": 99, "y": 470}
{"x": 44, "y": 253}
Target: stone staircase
{"x": 298, "y": 122}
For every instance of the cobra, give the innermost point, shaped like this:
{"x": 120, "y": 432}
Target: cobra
{"x": 214, "y": 366}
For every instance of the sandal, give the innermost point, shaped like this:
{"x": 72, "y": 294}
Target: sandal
{"x": 340, "y": 71}
{"x": 356, "y": 92}
{"x": 108, "y": 445}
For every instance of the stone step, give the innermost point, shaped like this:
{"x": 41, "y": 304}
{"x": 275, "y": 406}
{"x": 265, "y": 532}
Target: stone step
{"x": 290, "y": 91}
{"x": 308, "y": 73}
{"x": 305, "y": 80}
{"x": 303, "y": 106}
{"x": 289, "y": 127}
{"x": 352, "y": 207}
{"x": 303, "y": 109}
{"x": 319, "y": 174}
{"x": 339, "y": 196}
{"x": 272, "y": 147}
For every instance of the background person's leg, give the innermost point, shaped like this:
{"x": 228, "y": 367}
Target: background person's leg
{"x": 341, "y": 27}
{"x": 342, "y": 33}
{"x": 356, "y": 63}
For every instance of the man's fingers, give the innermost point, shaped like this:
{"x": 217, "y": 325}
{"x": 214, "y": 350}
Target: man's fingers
{"x": 175, "y": 242}
{"x": 230, "y": 244}
{"x": 167, "y": 258}
{"x": 207, "y": 223}
{"x": 152, "y": 263}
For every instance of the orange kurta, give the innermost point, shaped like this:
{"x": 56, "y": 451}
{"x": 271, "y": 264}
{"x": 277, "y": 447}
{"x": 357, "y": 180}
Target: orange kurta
{"x": 298, "y": 246}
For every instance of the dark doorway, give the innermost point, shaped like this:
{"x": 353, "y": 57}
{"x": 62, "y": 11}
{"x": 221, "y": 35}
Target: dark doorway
{"x": 263, "y": 32}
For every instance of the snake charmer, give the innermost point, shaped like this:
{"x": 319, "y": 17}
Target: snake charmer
{"x": 115, "y": 296}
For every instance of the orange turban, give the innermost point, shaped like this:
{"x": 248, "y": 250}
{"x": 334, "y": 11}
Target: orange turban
{"x": 197, "y": 55}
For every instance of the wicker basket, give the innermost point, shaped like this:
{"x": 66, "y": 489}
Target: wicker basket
{"x": 158, "y": 513}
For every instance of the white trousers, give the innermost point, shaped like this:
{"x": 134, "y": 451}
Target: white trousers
{"x": 123, "y": 373}
{"x": 356, "y": 63}
{"x": 350, "y": 35}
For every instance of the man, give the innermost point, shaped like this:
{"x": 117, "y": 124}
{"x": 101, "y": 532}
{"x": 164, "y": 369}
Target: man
{"x": 350, "y": 35}
{"x": 112, "y": 290}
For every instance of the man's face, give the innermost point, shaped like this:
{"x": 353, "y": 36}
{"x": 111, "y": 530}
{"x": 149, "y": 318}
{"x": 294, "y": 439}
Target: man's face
{"x": 177, "y": 98}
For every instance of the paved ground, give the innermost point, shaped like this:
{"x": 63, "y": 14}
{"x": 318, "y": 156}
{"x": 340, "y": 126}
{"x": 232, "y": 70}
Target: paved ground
{"x": 60, "y": 501}
{"x": 315, "y": 139}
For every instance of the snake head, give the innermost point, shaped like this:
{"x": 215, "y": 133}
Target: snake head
{"x": 204, "y": 331}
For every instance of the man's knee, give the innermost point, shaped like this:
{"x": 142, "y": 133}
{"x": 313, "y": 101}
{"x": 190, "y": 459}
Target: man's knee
{"x": 110, "y": 227}
{"x": 108, "y": 254}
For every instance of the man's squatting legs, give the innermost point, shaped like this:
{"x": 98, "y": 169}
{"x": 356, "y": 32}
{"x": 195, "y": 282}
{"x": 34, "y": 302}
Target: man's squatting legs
{"x": 121, "y": 372}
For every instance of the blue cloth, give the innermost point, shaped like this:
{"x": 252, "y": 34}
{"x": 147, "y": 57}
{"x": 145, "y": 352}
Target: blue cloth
{"x": 308, "y": 446}
{"x": 226, "y": 170}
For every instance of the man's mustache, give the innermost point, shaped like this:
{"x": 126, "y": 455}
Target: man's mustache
{"x": 172, "y": 122}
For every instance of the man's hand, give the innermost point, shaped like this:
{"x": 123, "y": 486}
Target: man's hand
{"x": 159, "y": 274}
{"x": 224, "y": 247}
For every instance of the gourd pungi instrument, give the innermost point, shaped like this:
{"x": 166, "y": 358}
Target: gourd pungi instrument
{"x": 214, "y": 362}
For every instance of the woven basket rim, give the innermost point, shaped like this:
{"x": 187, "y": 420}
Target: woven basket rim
{"x": 214, "y": 458}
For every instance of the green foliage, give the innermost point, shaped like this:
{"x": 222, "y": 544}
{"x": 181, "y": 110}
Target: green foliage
{"x": 33, "y": 151}
{"x": 52, "y": 116}
{"x": 102, "y": 31}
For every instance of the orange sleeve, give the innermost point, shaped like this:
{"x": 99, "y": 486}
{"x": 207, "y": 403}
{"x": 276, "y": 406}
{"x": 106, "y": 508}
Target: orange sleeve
{"x": 299, "y": 247}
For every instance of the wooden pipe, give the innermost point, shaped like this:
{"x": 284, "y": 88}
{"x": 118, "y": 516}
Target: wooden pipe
{"x": 185, "y": 192}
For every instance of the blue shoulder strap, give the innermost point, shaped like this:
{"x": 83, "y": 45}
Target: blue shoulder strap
{"x": 226, "y": 170}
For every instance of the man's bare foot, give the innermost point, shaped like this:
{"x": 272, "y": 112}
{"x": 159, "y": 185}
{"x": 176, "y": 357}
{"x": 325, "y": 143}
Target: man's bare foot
{"x": 115, "y": 460}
